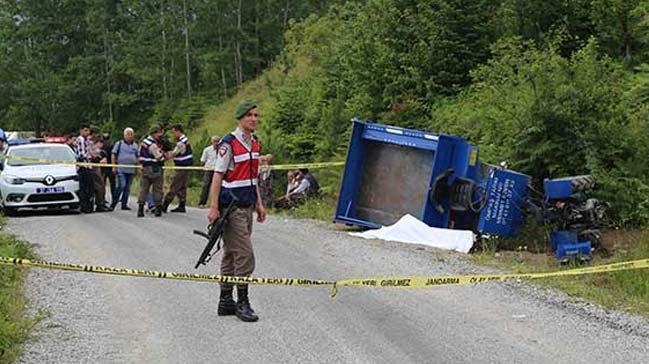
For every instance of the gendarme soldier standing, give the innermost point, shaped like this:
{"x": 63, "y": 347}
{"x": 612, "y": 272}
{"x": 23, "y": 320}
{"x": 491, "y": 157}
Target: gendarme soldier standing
{"x": 152, "y": 159}
{"x": 236, "y": 172}
{"x": 182, "y": 155}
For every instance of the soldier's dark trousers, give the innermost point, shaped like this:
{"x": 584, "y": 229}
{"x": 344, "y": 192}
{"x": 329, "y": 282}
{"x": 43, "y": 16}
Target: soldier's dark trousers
{"x": 100, "y": 187}
{"x": 107, "y": 174}
{"x": 151, "y": 178}
{"x": 238, "y": 257}
{"x": 178, "y": 187}
{"x": 207, "y": 183}
{"x": 86, "y": 189}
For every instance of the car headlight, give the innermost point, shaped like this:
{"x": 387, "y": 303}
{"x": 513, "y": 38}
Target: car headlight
{"x": 13, "y": 180}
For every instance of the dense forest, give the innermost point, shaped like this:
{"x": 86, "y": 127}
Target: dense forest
{"x": 556, "y": 87}
{"x": 119, "y": 63}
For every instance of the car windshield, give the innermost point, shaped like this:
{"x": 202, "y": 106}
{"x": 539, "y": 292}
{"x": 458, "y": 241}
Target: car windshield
{"x": 43, "y": 152}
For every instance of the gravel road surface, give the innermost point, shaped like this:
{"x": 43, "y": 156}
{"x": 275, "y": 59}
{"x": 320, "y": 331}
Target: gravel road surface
{"x": 106, "y": 319}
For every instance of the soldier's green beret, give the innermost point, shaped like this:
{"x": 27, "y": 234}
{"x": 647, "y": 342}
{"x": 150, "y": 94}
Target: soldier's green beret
{"x": 244, "y": 107}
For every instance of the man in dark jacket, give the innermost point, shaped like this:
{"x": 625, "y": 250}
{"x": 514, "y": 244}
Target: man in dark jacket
{"x": 107, "y": 172}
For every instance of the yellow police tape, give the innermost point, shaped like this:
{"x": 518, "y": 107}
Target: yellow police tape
{"x": 185, "y": 168}
{"x": 164, "y": 275}
{"x": 386, "y": 282}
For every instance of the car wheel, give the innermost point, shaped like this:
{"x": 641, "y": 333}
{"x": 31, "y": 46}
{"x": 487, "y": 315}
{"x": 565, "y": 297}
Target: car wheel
{"x": 10, "y": 211}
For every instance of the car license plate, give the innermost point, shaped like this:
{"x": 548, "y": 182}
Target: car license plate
{"x": 50, "y": 189}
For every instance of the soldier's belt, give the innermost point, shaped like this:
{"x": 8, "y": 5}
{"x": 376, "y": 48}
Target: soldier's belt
{"x": 385, "y": 282}
{"x": 186, "y": 168}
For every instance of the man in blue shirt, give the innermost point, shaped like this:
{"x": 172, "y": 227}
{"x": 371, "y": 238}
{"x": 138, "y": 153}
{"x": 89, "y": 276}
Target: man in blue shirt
{"x": 124, "y": 152}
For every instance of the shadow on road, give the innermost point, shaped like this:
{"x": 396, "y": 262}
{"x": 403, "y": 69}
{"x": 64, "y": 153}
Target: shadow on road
{"x": 42, "y": 212}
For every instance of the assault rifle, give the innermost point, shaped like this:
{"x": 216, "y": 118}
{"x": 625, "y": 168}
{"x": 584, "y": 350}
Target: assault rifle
{"x": 214, "y": 234}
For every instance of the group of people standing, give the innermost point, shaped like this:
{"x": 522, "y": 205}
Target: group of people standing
{"x": 235, "y": 174}
{"x": 151, "y": 154}
{"x": 90, "y": 147}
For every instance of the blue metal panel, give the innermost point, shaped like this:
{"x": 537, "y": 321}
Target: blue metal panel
{"x": 399, "y": 136}
{"x": 345, "y": 209}
{"x": 443, "y": 161}
{"x": 574, "y": 250}
{"x": 562, "y": 237}
{"x": 506, "y": 198}
{"x": 444, "y": 152}
{"x": 363, "y": 134}
{"x": 558, "y": 188}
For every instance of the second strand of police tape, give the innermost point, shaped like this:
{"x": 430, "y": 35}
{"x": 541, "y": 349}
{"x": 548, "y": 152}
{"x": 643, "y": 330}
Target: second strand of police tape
{"x": 386, "y": 282}
{"x": 185, "y": 168}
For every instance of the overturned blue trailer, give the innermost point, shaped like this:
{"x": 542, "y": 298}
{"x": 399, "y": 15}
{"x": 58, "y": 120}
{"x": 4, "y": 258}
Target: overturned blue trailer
{"x": 437, "y": 178}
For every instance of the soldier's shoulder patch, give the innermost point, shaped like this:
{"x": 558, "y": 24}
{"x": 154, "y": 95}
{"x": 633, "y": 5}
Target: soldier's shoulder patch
{"x": 223, "y": 150}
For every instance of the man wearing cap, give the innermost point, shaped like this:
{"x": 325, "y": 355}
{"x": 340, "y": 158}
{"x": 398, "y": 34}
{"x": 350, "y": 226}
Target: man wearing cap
{"x": 152, "y": 159}
{"x": 183, "y": 157}
{"x": 235, "y": 174}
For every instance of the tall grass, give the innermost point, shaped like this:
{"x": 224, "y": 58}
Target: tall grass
{"x": 14, "y": 325}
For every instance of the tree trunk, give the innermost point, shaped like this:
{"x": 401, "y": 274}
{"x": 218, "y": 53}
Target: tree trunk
{"x": 236, "y": 69}
{"x": 164, "y": 51}
{"x": 187, "y": 69}
{"x": 223, "y": 80}
{"x": 626, "y": 34}
{"x": 258, "y": 62}
{"x": 238, "y": 46}
{"x": 107, "y": 70}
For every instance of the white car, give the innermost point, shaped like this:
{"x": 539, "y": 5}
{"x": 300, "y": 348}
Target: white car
{"x": 29, "y": 184}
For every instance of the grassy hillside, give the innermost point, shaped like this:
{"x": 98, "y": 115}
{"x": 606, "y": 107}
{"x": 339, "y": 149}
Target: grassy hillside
{"x": 219, "y": 119}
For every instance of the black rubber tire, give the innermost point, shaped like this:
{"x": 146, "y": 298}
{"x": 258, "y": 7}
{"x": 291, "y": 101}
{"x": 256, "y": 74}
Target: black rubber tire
{"x": 10, "y": 211}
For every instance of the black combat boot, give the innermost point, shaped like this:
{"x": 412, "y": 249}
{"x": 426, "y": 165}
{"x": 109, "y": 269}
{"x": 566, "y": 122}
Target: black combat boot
{"x": 244, "y": 312}
{"x": 140, "y": 210}
{"x": 227, "y": 306}
{"x": 158, "y": 211}
{"x": 102, "y": 208}
{"x": 180, "y": 208}
{"x": 165, "y": 205}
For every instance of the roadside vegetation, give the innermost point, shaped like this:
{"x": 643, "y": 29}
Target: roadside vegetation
{"x": 15, "y": 326}
{"x": 624, "y": 290}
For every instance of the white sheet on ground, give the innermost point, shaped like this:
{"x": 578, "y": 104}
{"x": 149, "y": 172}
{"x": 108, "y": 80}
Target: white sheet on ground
{"x": 409, "y": 229}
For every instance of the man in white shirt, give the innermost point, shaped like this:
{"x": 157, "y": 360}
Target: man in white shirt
{"x": 300, "y": 191}
{"x": 208, "y": 158}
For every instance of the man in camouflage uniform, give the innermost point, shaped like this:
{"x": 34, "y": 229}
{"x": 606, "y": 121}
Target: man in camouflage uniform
{"x": 152, "y": 159}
